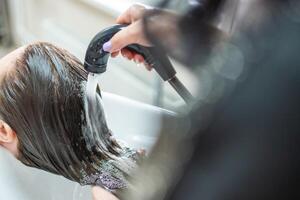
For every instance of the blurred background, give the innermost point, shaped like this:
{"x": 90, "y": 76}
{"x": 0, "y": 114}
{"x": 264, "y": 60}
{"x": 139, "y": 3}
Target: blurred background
{"x": 71, "y": 24}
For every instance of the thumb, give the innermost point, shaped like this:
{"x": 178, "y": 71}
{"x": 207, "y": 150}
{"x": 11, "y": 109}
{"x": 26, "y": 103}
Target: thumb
{"x": 121, "y": 39}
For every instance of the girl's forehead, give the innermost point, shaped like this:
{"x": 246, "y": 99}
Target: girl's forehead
{"x": 8, "y": 62}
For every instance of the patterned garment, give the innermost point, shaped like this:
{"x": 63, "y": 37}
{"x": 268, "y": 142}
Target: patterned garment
{"x": 113, "y": 173}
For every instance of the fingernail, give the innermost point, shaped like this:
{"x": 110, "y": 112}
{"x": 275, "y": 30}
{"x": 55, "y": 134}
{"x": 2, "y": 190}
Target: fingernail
{"x": 107, "y": 46}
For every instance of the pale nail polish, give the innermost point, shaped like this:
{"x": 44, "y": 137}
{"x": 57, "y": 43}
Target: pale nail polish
{"x": 107, "y": 46}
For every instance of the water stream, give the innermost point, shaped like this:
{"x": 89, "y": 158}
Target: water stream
{"x": 118, "y": 163}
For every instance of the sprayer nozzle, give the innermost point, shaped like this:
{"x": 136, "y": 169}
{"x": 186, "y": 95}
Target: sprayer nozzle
{"x": 97, "y": 69}
{"x": 96, "y": 58}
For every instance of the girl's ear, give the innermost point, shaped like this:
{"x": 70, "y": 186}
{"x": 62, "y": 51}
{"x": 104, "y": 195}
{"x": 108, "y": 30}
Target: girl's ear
{"x": 8, "y": 138}
{"x": 7, "y": 135}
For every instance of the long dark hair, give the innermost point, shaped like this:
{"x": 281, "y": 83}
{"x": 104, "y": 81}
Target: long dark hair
{"x": 42, "y": 100}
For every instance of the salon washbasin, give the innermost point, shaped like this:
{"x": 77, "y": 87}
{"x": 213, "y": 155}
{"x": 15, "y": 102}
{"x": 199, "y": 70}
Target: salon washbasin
{"x": 132, "y": 122}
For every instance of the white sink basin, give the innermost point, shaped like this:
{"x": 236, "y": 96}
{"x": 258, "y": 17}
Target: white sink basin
{"x": 135, "y": 123}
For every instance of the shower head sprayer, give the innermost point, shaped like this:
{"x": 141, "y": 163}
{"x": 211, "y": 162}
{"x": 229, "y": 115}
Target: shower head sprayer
{"x": 96, "y": 59}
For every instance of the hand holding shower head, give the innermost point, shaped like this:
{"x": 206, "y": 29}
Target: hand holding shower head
{"x": 96, "y": 59}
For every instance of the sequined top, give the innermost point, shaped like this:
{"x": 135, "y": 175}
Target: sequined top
{"x": 113, "y": 173}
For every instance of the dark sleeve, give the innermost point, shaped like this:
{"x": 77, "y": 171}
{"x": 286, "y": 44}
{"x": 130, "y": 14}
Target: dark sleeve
{"x": 251, "y": 148}
{"x": 198, "y": 33}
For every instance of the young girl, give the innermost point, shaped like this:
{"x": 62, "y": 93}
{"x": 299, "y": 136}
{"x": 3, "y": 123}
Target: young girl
{"x": 44, "y": 121}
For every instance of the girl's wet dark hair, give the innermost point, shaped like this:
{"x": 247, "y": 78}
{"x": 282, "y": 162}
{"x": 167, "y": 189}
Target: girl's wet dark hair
{"x": 42, "y": 100}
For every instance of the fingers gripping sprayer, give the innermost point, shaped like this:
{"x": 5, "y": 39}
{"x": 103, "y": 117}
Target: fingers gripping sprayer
{"x": 96, "y": 60}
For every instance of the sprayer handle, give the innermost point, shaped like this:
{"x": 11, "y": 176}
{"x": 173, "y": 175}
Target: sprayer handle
{"x": 159, "y": 62}
{"x": 96, "y": 58}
